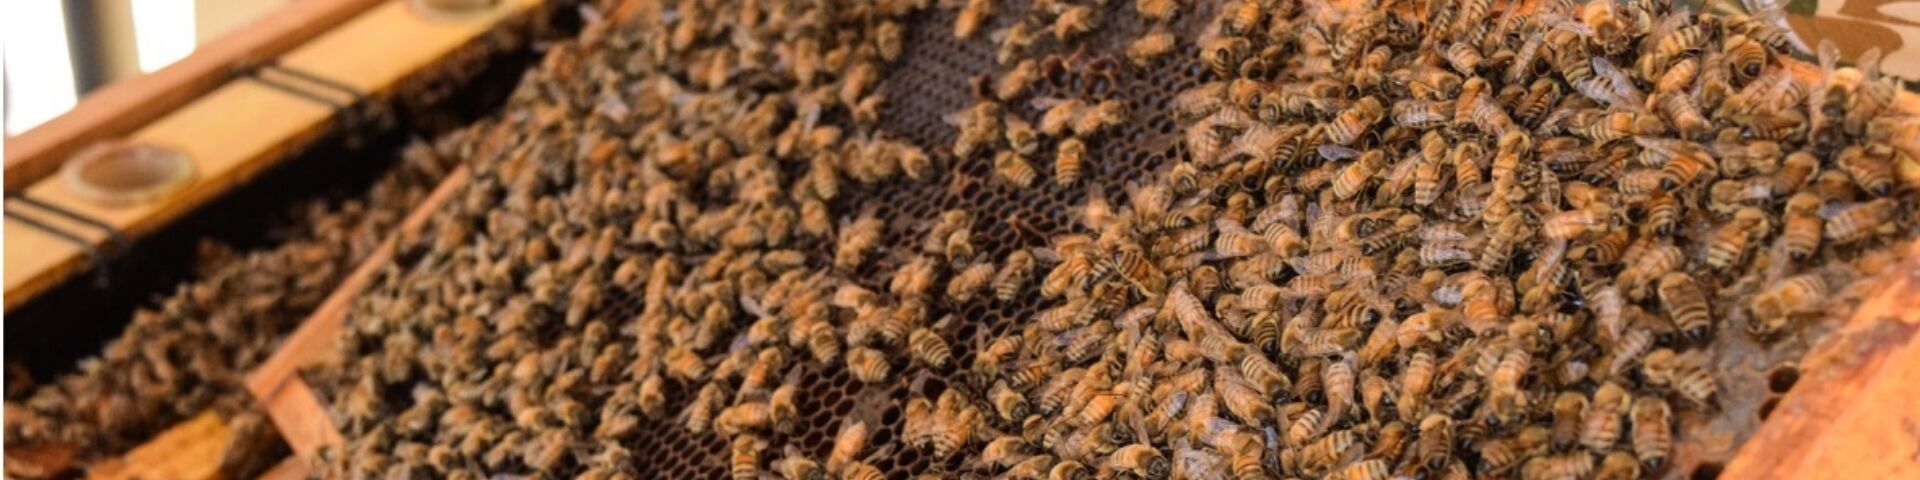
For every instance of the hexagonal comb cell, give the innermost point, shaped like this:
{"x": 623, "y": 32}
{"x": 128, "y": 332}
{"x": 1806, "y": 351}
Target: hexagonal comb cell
{"x": 930, "y": 81}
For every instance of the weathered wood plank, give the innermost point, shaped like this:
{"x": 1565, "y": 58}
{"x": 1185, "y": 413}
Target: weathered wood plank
{"x": 294, "y": 407}
{"x": 124, "y": 106}
{"x": 236, "y": 131}
{"x": 1855, "y": 412}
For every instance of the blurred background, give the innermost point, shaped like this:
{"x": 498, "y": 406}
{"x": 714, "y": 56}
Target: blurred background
{"x": 57, "y": 50}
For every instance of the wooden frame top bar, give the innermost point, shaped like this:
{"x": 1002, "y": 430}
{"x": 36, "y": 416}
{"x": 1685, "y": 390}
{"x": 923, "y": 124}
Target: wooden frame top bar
{"x": 239, "y": 129}
{"x": 124, "y": 106}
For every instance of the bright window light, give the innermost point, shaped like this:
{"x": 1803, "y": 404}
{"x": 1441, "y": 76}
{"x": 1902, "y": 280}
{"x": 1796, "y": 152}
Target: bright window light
{"x": 162, "y": 31}
{"x": 39, "y": 70}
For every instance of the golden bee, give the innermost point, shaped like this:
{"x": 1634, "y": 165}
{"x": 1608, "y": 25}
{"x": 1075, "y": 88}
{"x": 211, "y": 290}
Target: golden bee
{"x": 1776, "y": 306}
{"x": 970, "y": 281}
{"x": 1013, "y": 169}
{"x": 1652, "y": 431}
{"x": 1686, "y": 305}
{"x": 1017, "y": 81}
{"x": 1151, "y": 47}
{"x": 1853, "y": 223}
{"x": 971, "y": 17}
{"x": 1355, "y": 121}
{"x": 1069, "y": 161}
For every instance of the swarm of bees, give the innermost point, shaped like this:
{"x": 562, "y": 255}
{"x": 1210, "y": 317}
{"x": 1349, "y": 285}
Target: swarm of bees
{"x": 1400, "y": 240}
{"x": 189, "y": 353}
{"x": 1408, "y": 242}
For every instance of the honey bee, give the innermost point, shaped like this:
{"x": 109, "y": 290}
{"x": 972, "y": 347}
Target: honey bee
{"x": 1745, "y": 57}
{"x": 1601, "y": 427}
{"x": 1686, "y": 305}
{"x": 862, "y": 471}
{"x": 1060, "y": 115}
{"x": 1338, "y": 385}
{"x": 1678, "y": 75}
{"x": 1421, "y": 114}
{"x": 1506, "y": 396}
{"x": 1860, "y": 221}
{"x": 796, "y": 466}
{"x": 1618, "y": 465}
{"x": 1872, "y": 173}
{"x": 1150, "y": 48}
{"x": 1014, "y": 41}
{"x": 1016, "y": 82}
{"x": 1009, "y": 404}
{"x": 1013, "y": 169}
{"x": 1241, "y": 399}
{"x": 1416, "y": 380}
{"x": 929, "y": 349}
{"x": 1355, "y": 121}
{"x": 1683, "y": 113}
{"x": 971, "y": 17}
{"x": 1597, "y": 218}
{"x": 1502, "y": 454}
{"x": 1375, "y": 469}
{"x": 848, "y": 446}
{"x": 914, "y": 278}
{"x": 1098, "y": 118}
{"x": 868, "y": 365}
{"x": 1013, "y": 275}
{"x": 1157, "y": 10}
{"x": 979, "y": 126}
{"x": 1358, "y": 174}
{"x": 1327, "y": 450}
{"x": 745, "y": 459}
{"x": 1800, "y": 230}
{"x": 1565, "y": 465}
{"x": 1069, "y": 162}
{"x": 856, "y": 240}
{"x": 1463, "y": 57}
{"x": 970, "y": 281}
{"x": 1224, "y": 54}
{"x": 1652, "y": 431}
{"x": 1686, "y": 373}
{"x": 1775, "y": 306}
{"x": 1139, "y": 460}
{"x": 1005, "y": 451}
{"x": 1646, "y": 267}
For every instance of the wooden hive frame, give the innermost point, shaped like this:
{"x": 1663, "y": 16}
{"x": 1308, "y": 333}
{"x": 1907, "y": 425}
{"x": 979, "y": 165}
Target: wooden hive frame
{"x": 1851, "y": 414}
{"x": 232, "y": 129}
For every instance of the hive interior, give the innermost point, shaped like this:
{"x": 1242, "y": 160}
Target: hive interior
{"x": 930, "y": 81}
{"x": 934, "y": 79}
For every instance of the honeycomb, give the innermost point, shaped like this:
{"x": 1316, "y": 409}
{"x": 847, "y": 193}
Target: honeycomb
{"x": 932, "y": 79}
{"x": 935, "y": 77}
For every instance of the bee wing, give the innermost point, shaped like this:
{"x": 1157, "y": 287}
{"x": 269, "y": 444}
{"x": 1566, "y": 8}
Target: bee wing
{"x": 1552, "y": 122}
{"x": 1664, "y": 146}
{"x": 1044, "y": 103}
{"x": 1623, "y": 90}
{"x": 1334, "y": 152}
{"x": 1764, "y": 10}
{"x": 1829, "y": 55}
{"x": 1869, "y": 63}
{"x": 1561, "y": 22}
{"x": 1671, "y": 22}
{"x": 1197, "y": 463}
{"x": 1555, "y": 252}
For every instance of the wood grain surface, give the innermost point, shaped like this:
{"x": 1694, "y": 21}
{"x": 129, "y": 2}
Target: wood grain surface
{"x": 276, "y": 383}
{"x": 236, "y": 131}
{"x": 121, "y": 107}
